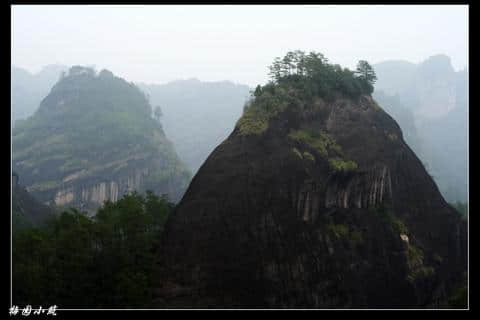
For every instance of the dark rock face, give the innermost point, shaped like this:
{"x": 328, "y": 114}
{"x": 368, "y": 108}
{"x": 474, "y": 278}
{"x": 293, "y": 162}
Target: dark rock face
{"x": 268, "y": 223}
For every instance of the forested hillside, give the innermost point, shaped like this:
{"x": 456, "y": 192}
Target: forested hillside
{"x": 92, "y": 139}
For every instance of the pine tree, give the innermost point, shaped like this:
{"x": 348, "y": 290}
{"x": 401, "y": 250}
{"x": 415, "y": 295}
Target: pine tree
{"x": 365, "y": 71}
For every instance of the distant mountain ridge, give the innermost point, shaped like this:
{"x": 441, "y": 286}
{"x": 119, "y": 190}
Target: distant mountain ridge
{"x": 427, "y": 88}
{"x": 430, "y": 102}
{"x": 197, "y": 115}
{"x": 29, "y": 89}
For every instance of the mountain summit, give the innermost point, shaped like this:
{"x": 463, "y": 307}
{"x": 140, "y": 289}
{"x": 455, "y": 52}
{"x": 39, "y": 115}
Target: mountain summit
{"x": 313, "y": 201}
{"x": 93, "y": 138}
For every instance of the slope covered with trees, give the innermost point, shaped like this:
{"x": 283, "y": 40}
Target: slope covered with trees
{"x": 75, "y": 261}
{"x": 93, "y": 139}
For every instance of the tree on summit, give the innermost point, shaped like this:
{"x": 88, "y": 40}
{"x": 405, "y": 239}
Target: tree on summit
{"x": 258, "y": 91}
{"x": 367, "y": 75}
{"x": 365, "y": 71}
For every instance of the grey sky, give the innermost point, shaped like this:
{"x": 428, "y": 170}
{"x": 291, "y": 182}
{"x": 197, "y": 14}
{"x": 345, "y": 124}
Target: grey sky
{"x": 164, "y": 43}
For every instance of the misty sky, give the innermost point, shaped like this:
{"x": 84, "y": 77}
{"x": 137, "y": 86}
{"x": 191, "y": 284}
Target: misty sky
{"x": 158, "y": 43}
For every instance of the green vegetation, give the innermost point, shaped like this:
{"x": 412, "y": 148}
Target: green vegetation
{"x": 366, "y": 72}
{"x": 387, "y": 222}
{"x": 339, "y": 230}
{"x": 296, "y": 80}
{"x": 317, "y": 77}
{"x": 415, "y": 260}
{"x": 297, "y": 153}
{"x": 86, "y": 122}
{"x": 341, "y": 165}
{"x": 107, "y": 261}
{"x": 390, "y": 220}
{"x": 326, "y": 146}
{"x": 343, "y": 232}
{"x": 356, "y": 237}
{"x": 253, "y": 123}
{"x": 414, "y": 256}
{"x": 321, "y": 142}
{"x": 26, "y": 210}
{"x": 399, "y": 226}
{"x": 19, "y": 221}
{"x": 459, "y": 298}
{"x": 420, "y": 273}
{"x": 307, "y": 155}
{"x": 269, "y": 101}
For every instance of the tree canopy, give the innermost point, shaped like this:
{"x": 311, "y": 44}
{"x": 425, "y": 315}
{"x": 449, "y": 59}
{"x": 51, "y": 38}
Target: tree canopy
{"x": 319, "y": 77}
{"x": 365, "y": 71}
{"x": 298, "y": 79}
{"x": 76, "y": 261}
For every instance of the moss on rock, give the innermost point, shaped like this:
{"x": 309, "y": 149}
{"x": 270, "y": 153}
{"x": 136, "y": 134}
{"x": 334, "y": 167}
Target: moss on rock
{"x": 297, "y": 153}
{"x": 339, "y": 230}
{"x": 307, "y": 155}
{"x": 252, "y": 123}
{"x": 320, "y": 141}
{"x": 338, "y": 164}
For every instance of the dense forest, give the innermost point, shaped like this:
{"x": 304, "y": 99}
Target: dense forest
{"x": 105, "y": 261}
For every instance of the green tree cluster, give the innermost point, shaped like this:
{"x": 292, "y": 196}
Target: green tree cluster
{"x": 75, "y": 261}
{"x": 318, "y": 77}
{"x": 297, "y": 79}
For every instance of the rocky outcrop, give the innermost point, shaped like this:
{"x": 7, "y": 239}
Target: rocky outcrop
{"x": 325, "y": 208}
{"x": 94, "y": 194}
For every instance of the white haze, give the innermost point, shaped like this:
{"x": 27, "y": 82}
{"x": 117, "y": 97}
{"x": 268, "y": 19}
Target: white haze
{"x": 160, "y": 43}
